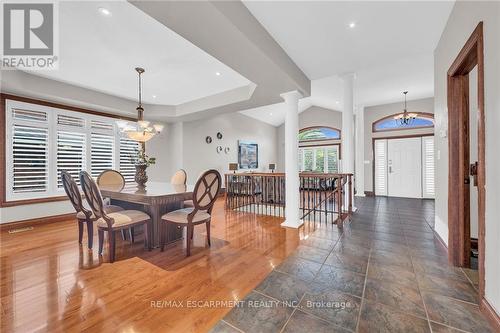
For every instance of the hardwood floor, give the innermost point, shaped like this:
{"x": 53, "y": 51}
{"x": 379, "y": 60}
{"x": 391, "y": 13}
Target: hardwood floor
{"x": 50, "y": 283}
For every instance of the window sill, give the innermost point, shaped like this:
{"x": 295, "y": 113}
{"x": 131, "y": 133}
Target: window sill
{"x": 32, "y": 201}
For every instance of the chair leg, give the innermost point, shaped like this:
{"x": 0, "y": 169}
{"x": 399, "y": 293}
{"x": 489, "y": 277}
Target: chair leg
{"x": 131, "y": 234}
{"x": 188, "y": 241}
{"x": 192, "y": 232}
{"x": 101, "y": 240}
{"x": 112, "y": 243}
{"x": 80, "y": 232}
{"x": 90, "y": 233}
{"x": 124, "y": 235}
{"x": 208, "y": 233}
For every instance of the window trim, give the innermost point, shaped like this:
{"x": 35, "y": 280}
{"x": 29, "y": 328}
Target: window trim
{"x": 302, "y": 147}
{"x": 320, "y": 140}
{"x": 3, "y": 142}
{"x": 426, "y": 115}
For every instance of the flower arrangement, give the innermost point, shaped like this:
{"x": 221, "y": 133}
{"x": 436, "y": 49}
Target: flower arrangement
{"x": 140, "y": 158}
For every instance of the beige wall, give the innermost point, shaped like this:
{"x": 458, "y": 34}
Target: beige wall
{"x": 313, "y": 116}
{"x": 462, "y": 21}
{"x": 374, "y": 113}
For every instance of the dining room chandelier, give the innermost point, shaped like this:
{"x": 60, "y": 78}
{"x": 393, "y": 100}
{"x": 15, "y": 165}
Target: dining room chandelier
{"x": 406, "y": 118}
{"x": 142, "y": 130}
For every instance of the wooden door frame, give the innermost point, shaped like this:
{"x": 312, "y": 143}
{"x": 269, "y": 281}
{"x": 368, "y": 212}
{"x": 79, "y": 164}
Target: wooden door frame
{"x": 470, "y": 56}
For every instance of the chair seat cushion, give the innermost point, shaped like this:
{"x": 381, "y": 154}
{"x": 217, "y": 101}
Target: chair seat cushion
{"x": 108, "y": 209}
{"x": 181, "y": 216}
{"x": 124, "y": 218}
{"x": 188, "y": 203}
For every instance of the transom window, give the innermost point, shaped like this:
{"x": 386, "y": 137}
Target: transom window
{"x": 389, "y": 123}
{"x": 319, "y": 133}
{"x": 41, "y": 141}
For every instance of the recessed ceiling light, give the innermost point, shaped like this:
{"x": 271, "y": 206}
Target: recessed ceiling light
{"x": 104, "y": 11}
{"x": 337, "y": 102}
{"x": 352, "y": 25}
{"x": 154, "y": 96}
{"x": 217, "y": 73}
{"x": 271, "y": 114}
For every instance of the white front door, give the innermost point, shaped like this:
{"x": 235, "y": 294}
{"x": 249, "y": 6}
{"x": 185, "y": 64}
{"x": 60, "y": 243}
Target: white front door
{"x": 404, "y": 167}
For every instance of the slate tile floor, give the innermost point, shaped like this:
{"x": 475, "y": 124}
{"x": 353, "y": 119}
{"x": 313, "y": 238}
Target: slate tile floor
{"x": 383, "y": 272}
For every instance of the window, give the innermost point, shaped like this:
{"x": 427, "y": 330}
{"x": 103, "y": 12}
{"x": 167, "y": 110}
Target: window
{"x": 41, "y": 141}
{"x": 319, "y": 133}
{"x": 423, "y": 120}
{"x": 319, "y": 159}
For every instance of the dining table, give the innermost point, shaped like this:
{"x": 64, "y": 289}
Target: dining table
{"x": 156, "y": 199}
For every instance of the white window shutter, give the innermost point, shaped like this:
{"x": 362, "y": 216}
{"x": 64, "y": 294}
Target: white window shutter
{"x": 30, "y": 158}
{"x": 128, "y": 148}
{"x": 380, "y": 167}
{"x": 428, "y": 166}
{"x": 101, "y": 153}
{"x": 70, "y": 154}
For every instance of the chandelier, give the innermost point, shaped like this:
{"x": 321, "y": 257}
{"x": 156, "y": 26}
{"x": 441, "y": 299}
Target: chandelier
{"x": 142, "y": 130}
{"x": 405, "y": 118}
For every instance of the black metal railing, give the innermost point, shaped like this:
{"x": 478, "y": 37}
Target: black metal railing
{"x": 321, "y": 195}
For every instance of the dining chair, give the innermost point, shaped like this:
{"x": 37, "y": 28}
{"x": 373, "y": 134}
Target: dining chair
{"x": 111, "y": 178}
{"x": 112, "y": 222}
{"x": 83, "y": 215}
{"x": 179, "y": 178}
{"x": 204, "y": 195}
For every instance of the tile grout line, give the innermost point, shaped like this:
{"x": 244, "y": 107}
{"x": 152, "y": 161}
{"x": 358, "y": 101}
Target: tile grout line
{"x": 294, "y": 309}
{"x": 364, "y": 289}
{"x": 236, "y": 328}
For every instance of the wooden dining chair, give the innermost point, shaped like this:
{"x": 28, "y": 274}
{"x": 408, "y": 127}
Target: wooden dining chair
{"x": 180, "y": 178}
{"x": 112, "y": 179}
{"x": 114, "y": 221}
{"x": 83, "y": 215}
{"x": 204, "y": 195}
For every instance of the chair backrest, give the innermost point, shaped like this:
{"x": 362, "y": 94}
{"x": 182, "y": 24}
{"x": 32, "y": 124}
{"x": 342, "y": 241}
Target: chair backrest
{"x": 111, "y": 178}
{"x": 72, "y": 191}
{"x": 92, "y": 194}
{"x": 206, "y": 190}
{"x": 179, "y": 178}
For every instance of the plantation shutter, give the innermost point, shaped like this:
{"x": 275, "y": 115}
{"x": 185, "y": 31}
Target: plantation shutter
{"x": 428, "y": 166}
{"x": 101, "y": 153}
{"x": 380, "y": 167}
{"x": 29, "y": 156}
{"x": 70, "y": 154}
{"x": 128, "y": 148}
{"x": 332, "y": 154}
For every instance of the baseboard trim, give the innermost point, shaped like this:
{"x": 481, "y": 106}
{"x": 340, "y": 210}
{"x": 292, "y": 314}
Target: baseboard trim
{"x": 369, "y": 194}
{"x": 37, "y": 221}
{"x": 440, "y": 239}
{"x": 490, "y": 314}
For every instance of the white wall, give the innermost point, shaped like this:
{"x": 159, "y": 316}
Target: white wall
{"x": 199, "y": 156}
{"x": 461, "y": 23}
{"x": 374, "y": 113}
{"x": 313, "y": 116}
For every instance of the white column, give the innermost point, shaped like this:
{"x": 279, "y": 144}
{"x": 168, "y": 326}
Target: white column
{"x": 348, "y": 130}
{"x": 347, "y": 125}
{"x": 292, "y": 183}
{"x": 360, "y": 152}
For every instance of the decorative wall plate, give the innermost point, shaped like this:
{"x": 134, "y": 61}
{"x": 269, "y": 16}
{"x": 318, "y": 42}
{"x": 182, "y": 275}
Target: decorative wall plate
{"x": 208, "y": 139}
{"x": 219, "y": 135}
{"x": 219, "y": 149}
{"x": 227, "y": 149}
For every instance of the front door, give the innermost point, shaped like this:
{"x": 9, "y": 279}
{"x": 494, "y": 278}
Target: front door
{"x": 404, "y": 167}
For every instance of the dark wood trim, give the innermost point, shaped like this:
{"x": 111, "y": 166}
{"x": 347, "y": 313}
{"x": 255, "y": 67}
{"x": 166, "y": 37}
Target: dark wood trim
{"x": 470, "y": 55}
{"x": 319, "y": 126}
{"x": 423, "y": 114}
{"x": 389, "y": 138}
{"x": 37, "y": 221}
{"x": 369, "y": 193}
{"x": 490, "y": 314}
{"x": 3, "y": 118}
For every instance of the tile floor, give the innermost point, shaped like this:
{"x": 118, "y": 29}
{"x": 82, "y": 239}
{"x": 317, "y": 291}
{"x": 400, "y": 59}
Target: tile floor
{"x": 384, "y": 272}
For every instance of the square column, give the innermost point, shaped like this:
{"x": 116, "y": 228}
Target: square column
{"x": 292, "y": 181}
{"x": 360, "y": 152}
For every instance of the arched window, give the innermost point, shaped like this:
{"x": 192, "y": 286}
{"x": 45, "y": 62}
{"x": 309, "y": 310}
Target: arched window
{"x": 318, "y": 133}
{"x": 390, "y": 123}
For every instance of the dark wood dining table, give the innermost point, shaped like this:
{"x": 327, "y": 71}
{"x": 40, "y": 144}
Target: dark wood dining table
{"x": 156, "y": 199}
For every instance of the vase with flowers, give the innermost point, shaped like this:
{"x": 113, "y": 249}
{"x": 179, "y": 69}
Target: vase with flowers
{"x": 141, "y": 161}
